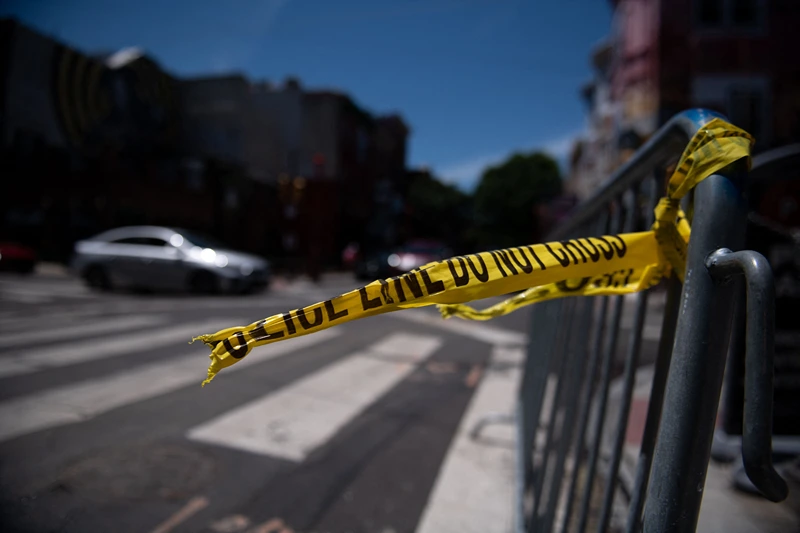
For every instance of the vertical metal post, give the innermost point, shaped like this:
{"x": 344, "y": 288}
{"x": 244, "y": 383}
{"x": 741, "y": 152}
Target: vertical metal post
{"x": 561, "y": 350}
{"x": 654, "y": 406}
{"x": 698, "y": 361}
{"x": 534, "y": 379}
{"x": 605, "y": 380}
{"x": 629, "y": 377}
{"x": 585, "y": 390}
{"x": 576, "y": 370}
{"x": 585, "y": 410}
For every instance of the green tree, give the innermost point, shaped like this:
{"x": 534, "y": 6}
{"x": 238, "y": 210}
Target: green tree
{"x": 437, "y": 210}
{"x": 507, "y": 196}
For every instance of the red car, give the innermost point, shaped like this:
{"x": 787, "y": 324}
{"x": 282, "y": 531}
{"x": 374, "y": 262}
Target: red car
{"x": 15, "y": 257}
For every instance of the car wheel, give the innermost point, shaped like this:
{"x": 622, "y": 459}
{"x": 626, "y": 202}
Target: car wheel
{"x": 97, "y": 278}
{"x": 203, "y": 282}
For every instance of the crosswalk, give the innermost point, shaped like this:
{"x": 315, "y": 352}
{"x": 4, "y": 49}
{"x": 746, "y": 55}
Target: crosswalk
{"x": 87, "y": 373}
{"x": 41, "y": 292}
{"x": 298, "y": 419}
{"x": 58, "y": 355}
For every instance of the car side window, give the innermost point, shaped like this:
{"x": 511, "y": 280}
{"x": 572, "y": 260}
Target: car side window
{"x": 147, "y": 241}
{"x": 126, "y": 240}
{"x": 151, "y": 241}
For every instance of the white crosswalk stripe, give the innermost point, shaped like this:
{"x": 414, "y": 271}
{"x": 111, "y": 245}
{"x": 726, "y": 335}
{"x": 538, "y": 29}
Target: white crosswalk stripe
{"x": 18, "y": 324}
{"x": 39, "y": 293}
{"x": 478, "y": 331}
{"x": 295, "y": 420}
{"x": 87, "y": 399}
{"x": 34, "y": 359}
{"x": 474, "y": 488}
{"x": 44, "y": 332}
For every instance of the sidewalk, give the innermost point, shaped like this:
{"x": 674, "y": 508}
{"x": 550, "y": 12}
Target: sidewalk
{"x": 724, "y": 509}
{"x": 52, "y": 270}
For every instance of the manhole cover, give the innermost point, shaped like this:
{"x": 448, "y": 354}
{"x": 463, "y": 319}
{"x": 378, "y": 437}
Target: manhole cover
{"x": 140, "y": 472}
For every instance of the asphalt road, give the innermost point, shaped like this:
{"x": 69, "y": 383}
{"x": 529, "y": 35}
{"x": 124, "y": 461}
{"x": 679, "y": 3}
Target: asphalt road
{"x": 104, "y": 426}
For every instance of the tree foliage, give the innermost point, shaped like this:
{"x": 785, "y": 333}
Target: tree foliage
{"x": 438, "y": 210}
{"x": 507, "y": 195}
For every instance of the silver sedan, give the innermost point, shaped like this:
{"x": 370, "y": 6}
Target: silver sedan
{"x": 154, "y": 257}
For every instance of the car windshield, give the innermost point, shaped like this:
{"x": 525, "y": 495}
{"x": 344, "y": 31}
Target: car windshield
{"x": 198, "y": 239}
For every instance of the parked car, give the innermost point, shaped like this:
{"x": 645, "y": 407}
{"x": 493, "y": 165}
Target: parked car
{"x": 390, "y": 263}
{"x": 15, "y": 257}
{"x": 153, "y": 257}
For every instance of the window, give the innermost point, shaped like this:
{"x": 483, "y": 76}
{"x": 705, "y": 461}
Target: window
{"x": 194, "y": 174}
{"x": 710, "y": 13}
{"x": 730, "y": 14}
{"x": 744, "y": 13}
{"x": 200, "y": 239}
{"x": 746, "y": 109}
{"x": 292, "y": 160}
{"x": 231, "y": 198}
{"x": 146, "y": 241}
{"x": 743, "y": 99}
{"x": 362, "y": 142}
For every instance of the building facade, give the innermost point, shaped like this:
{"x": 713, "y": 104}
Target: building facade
{"x": 92, "y": 142}
{"x": 732, "y": 56}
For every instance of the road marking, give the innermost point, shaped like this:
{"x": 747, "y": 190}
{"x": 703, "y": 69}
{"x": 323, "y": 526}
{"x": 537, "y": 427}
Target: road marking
{"x": 85, "y": 400}
{"x": 43, "y": 291}
{"x": 24, "y": 298}
{"x": 33, "y": 321}
{"x": 230, "y": 524}
{"x": 447, "y": 367}
{"x": 291, "y": 422}
{"x": 194, "y": 506}
{"x": 490, "y": 334}
{"x": 474, "y": 488}
{"x": 33, "y": 359}
{"x": 274, "y": 525}
{"x": 45, "y": 333}
{"x": 474, "y": 376}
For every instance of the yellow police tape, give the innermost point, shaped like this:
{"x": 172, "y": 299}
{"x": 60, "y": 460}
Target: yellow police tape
{"x": 611, "y": 264}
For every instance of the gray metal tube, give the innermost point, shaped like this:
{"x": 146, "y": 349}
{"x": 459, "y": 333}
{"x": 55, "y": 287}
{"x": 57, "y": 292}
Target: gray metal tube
{"x": 534, "y": 379}
{"x": 576, "y": 369}
{"x": 668, "y": 141}
{"x": 605, "y": 379}
{"x": 585, "y": 410}
{"x": 698, "y": 361}
{"x": 562, "y": 351}
{"x": 654, "y": 406}
{"x": 759, "y": 365}
{"x": 629, "y": 379}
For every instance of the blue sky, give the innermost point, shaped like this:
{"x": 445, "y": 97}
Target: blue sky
{"x": 475, "y": 79}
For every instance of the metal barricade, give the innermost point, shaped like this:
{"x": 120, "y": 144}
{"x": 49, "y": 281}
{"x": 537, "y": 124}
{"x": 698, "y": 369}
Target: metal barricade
{"x": 568, "y": 475}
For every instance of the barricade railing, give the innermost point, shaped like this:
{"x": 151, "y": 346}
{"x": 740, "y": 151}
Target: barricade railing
{"x": 570, "y": 441}
{"x": 572, "y": 423}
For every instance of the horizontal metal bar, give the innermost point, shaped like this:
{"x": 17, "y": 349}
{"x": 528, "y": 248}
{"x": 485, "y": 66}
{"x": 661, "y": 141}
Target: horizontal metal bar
{"x": 668, "y": 141}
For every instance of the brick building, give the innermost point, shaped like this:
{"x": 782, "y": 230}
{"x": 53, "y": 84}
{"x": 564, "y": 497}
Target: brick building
{"x": 92, "y": 142}
{"x": 733, "y": 56}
